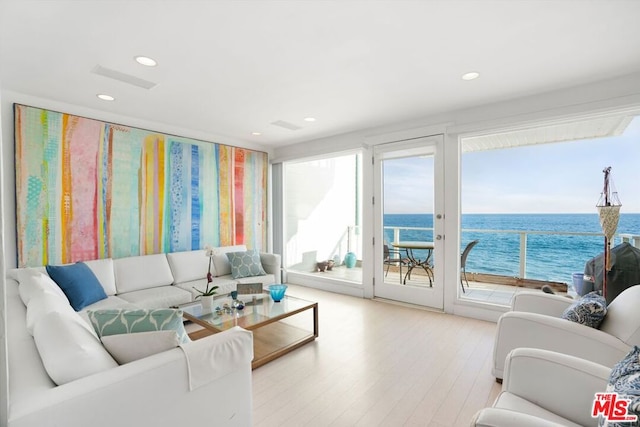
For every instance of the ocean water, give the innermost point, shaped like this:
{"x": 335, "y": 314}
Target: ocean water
{"x": 549, "y": 256}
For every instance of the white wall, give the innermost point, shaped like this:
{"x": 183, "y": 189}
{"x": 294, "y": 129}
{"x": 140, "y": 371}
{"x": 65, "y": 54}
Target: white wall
{"x": 620, "y": 95}
{"x": 8, "y": 156}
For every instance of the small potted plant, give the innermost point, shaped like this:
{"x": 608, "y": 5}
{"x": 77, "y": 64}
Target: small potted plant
{"x": 206, "y": 296}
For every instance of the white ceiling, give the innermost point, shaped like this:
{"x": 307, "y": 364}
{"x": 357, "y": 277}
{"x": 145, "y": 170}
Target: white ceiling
{"x": 231, "y": 68}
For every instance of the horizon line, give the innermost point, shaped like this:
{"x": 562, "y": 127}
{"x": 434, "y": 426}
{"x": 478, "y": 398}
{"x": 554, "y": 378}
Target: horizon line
{"x": 510, "y": 213}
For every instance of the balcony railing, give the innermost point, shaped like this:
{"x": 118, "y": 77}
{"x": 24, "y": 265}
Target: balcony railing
{"x": 524, "y": 235}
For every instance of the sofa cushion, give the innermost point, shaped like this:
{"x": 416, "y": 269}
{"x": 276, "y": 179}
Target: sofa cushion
{"x": 103, "y": 269}
{"x": 33, "y": 283}
{"x": 266, "y": 280}
{"x": 108, "y": 303}
{"x": 43, "y": 304}
{"x": 113, "y": 322}
{"x": 271, "y": 263}
{"x": 189, "y": 265}
{"x": 588, "y": 310}
{"x": 220, "y": 260}
{"x": 625, "y": 380}
{"x": 67, "y": 349}
{"x": 142, "y": 272}
{"x": 160, "y": 297}
{"x": 79, "y": 284}
{"x": 125, "y": 348}
{"x": 245, "y": 264}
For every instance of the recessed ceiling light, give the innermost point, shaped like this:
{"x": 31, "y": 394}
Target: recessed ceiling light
{"x": 146, "y": 61}
{"x": 105, "y": 97}
{"x": 309, "y": 119}
{"x": 256, "y": 133}
{"x": 470, "y": 76}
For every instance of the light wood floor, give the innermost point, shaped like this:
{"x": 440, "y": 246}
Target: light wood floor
{"x": 378, "y": 364}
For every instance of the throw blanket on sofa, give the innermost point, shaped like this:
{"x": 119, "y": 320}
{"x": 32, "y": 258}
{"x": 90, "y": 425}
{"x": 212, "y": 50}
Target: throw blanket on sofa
{"x": 207, "y": 362}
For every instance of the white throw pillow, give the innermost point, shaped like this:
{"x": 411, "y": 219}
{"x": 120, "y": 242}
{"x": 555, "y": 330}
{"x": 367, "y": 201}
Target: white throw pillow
{"x": 68, "y": 350}
{"x": 43, "y": 304}
{"x": 126, "y": 348}
{"x": 33, "y": 282}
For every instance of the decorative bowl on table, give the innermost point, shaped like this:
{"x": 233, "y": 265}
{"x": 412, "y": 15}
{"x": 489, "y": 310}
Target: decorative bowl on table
{"x": 277, "y": 292}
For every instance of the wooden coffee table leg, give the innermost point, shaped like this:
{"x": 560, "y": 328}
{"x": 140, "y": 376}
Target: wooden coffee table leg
{"x": 315, "y": 320}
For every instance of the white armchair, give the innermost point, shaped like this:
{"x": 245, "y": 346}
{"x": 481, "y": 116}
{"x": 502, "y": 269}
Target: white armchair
{"x": 535, "y": 322}
{"x": 545, "y": 388}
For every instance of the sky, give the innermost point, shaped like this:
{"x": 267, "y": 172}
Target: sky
{"x": 561, "y": 177}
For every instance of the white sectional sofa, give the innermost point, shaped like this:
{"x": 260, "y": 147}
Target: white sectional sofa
{"x": 155, "y": 390}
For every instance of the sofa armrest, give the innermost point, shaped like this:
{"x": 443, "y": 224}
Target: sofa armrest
{"x": 498, "y": 417}
{"x": 217, "y": 356}
{"x": 271, "y": 264}
{"x": 150, "y": 391}
{"x": 541, "y": 303}
{"x": 562, "y": 384}
{"x": 519, "y": 329}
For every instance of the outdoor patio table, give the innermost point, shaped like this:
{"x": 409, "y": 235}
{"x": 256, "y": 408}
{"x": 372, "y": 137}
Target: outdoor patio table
{"x": 409, "y": 247}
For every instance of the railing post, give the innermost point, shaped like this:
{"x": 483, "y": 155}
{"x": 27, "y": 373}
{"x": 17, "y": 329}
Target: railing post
{"x": 396, "y": 234}
{"x": 523, "y": 254}
{"x": 633, "y": 240}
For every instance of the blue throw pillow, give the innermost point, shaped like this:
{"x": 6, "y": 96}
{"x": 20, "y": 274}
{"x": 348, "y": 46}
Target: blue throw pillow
{"x": 245, "y": 264}
{"x": 78, "y": 283}
{"x": 588, "y": 310}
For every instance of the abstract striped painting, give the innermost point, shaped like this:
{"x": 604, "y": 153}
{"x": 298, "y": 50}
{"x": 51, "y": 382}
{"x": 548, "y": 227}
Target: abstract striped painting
{"x": 87, "y": 189}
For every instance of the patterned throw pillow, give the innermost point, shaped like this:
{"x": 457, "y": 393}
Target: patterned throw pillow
{"x": 245, "y": 264}
{"x": 118, "y": 321}
{"x": 588, "y": 310}
{"x": 625, "y": 380}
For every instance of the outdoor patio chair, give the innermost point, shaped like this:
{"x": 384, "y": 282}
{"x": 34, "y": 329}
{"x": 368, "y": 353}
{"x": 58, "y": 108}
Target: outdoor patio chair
{"x": 393, "y": 257}
{"x": 463, "y": 262}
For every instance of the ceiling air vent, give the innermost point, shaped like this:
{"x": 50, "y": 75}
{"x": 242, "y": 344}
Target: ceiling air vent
{"x": 122, "y": 77}
{"x": 286, "y": 125}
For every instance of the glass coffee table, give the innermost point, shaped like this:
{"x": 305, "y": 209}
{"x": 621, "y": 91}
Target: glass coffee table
{"x": 278, "y": 327}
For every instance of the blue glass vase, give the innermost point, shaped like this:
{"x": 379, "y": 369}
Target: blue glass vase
{"x": 350, "y": 260}
{"x": 277, "y": 292}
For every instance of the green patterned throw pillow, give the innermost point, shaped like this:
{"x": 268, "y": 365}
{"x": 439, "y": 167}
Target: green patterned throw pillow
{"x": 115, "y": 321}
{"x": 245, "y": 264}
